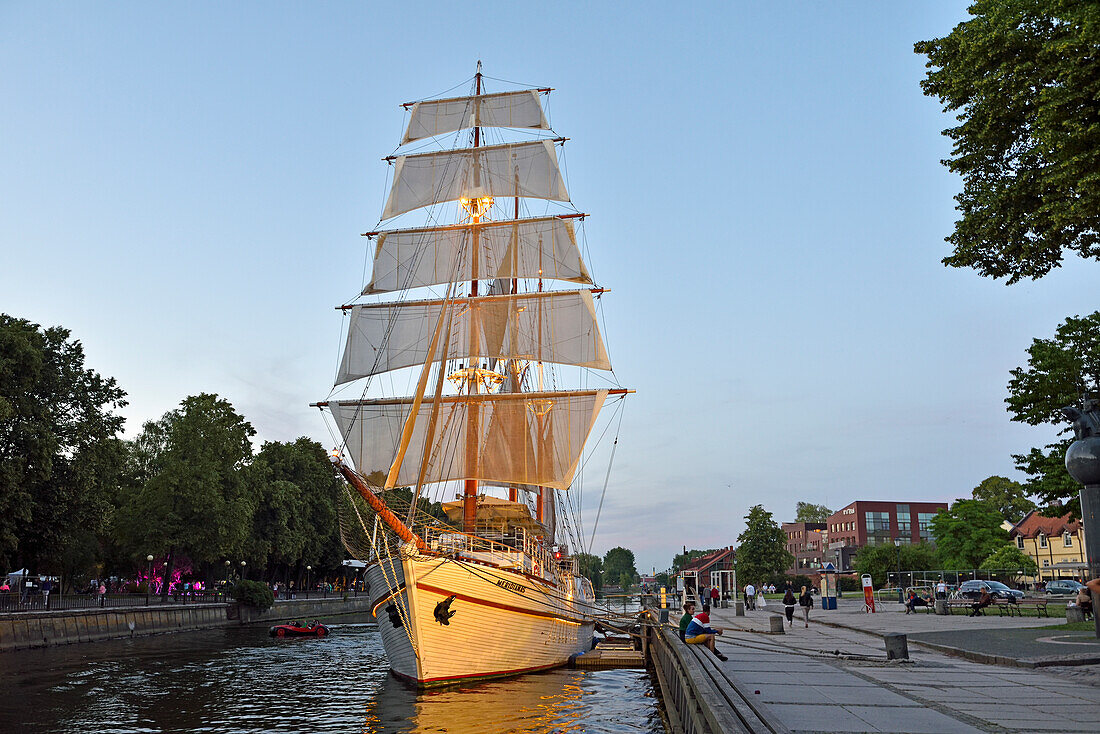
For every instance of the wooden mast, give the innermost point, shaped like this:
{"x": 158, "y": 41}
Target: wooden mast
{"x": 469, "y": 495}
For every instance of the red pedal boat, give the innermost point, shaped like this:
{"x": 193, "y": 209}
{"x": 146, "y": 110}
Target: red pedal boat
{"x": 297, "y": 629}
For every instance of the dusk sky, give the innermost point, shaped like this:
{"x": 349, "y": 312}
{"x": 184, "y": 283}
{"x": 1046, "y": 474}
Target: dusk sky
{"x": 183, "y": 186}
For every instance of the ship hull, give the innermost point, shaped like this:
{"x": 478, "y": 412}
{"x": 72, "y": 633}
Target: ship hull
{"x": 462, "y": 621}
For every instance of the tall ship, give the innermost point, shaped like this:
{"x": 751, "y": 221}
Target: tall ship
{"x": 477, "y": 373}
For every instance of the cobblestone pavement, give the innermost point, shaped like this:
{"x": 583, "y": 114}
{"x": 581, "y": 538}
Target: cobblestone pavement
{"x": 836, "y": 679}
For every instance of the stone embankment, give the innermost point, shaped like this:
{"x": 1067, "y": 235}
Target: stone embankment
{"x": 21, "y": 630}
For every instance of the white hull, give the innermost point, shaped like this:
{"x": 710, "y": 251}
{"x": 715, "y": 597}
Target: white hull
{"x": 503, "y": 622}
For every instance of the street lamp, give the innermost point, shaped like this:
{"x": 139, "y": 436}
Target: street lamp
{"x": 308, "y": 569}
{"x": 244, "y": 569}
{"x": 225, "y": 589}
{"x": 901, "y": 591}
{"x": 149, "y": 578}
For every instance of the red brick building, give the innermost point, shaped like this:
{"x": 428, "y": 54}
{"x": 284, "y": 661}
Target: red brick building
{"x": 806, "y": 542}
{"x": 874, "y": 523}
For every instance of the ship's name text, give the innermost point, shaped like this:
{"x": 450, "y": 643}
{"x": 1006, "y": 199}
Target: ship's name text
{"x": 512, "y": 586}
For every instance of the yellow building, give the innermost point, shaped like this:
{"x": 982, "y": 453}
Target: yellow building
{"x": 1055, "y": 544}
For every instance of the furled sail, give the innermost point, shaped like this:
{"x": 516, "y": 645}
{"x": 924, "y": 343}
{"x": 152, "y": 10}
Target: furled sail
{"x": 507, "y": 109}
{"x": 523, "y": 438}
{"x": 552, "y": 326}
{"x": 513, "y": 169}
{"x": 523, "y": 248}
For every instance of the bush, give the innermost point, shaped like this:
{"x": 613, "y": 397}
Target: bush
{"x": 253, "y": 594}
{"x": 847, "y": 583}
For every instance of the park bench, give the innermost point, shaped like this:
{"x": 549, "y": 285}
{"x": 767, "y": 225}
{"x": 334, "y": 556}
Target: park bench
{"x": 1037, "y": 603}
{"x": 953, "y": 604}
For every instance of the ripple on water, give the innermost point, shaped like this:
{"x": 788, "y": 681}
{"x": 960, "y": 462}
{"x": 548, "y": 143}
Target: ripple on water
{"x": 241, "y": 680}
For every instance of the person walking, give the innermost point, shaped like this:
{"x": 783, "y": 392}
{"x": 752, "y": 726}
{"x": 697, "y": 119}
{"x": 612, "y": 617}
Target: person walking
{"x": 47, "y": 587}
{"x": 102, "y": 594}
{"x": 941, "y": 589}
{"x": 788, "y": 606}
{"x": 750, "y": 596}
{"x": 714, "y": 597}
{"x": 806, "y": 601}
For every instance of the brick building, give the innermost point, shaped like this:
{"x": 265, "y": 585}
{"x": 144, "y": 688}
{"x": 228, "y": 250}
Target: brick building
{"x": 874, "y": 523}
{"x": 806, "y": 542}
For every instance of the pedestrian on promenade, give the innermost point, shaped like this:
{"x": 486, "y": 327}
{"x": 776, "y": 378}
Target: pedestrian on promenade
{"x": 750, "y": 596}
{"x": 102, "y": 594}
{"x": 941, "y": 589}
{"x": 47, "y": 587}
{"x": 788, "y": 606}
{"x": 699, "y": 633}
{"x": 714, "y": 596}
{"x": 689, "y": 612}
{"x": 806, "y": 601}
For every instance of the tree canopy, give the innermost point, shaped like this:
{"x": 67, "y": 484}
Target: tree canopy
{"x": 1059, "y": 372}
{"x": 762, "y": 549}
{"x": 805, "y": 512}
{"x": 1012, "y": 559}
{"x": 967, "y": 533}
{"x": 1023, "y": 79}
{"x": 617, "y": 562}
{"x": 60, "y": 456}
{"x": 1007, "y": 496}
{"x": 591, "y": 567}
{"x": 882, "y": 560}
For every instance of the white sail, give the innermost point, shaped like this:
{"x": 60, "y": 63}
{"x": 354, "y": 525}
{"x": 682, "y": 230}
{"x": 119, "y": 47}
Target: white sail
{"x": 525, "y": 438}
{"x": 543, "y": 247}
{"x": 508, "y": 109}
{"x": 515, "y": 169}
{"x": 553, "y": 326}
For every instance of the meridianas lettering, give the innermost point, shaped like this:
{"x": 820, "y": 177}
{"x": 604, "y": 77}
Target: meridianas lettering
{"x": 510, "y": 586}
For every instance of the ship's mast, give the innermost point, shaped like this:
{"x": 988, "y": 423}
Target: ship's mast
{"x": 469, "y": 497}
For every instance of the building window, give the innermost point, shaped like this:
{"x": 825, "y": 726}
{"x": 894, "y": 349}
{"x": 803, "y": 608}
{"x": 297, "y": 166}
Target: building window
{"x": 905, "y": 520}
{"x": 1042, "y": 541}
{"x": 878, "y": 522}
{"x": 1067, "y": 540}
{"x": 1046, "y": 562}
{"x": 1020, "y": 542}
{"x": 924, "y": 522}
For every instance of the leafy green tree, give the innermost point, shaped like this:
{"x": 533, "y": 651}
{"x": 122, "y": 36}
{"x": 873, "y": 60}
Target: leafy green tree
{"x": 591, "y": 567}
{"x": 967, "y": 533}
{"x": 616, "y": 562}
{"x": 1059, "y": 372}
{"x": 882, "y": 560}
{"x": 190, "y": 497}
{"x": 805, "y": 512}
{"x": 626, "y": 580}
{"x": 1006, "y": 495}
{"x": 1012, "y": 559}
{"x": 60, "y": 456}
{"x": 1021, "y": 74}
{"x": 662, "y": 579}
{"x": 762, "y": 549}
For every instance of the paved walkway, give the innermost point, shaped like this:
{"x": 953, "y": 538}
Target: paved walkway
{"x": 836, "y": 679}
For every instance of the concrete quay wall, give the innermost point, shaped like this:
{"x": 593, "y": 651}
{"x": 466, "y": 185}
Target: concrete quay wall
{"x": 19, "y": 631}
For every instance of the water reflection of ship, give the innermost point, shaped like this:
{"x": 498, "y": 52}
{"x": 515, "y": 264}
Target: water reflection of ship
{"x": 544, "y": 702}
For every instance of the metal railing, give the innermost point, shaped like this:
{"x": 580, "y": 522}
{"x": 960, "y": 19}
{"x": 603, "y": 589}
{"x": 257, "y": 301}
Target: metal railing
{"x": 517, "y": 550}
{"x": 36, "y": 601}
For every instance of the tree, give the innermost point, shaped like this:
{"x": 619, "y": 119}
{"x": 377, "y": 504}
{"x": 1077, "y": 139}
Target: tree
{"x": 662, "y": 579}
{"x": 60, "y": 456}
{"x": 805, "y": 512}
{"x": 967, "y": 533}
{"x": 1022, "y": 76}
{"x": 190, "y": 497}
{"x": 762, "y": 549}
{"x": 1006, "y": 495}
{"x": 1059, "y": 372}
{"x": 882, "y": 560}
{"x": 616, "y": 562}
{"x": 591, "y": 567}
{"x": 1012, "y": 559}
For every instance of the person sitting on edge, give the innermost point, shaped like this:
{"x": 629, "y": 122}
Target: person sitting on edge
{"x": 915, "y": 601}
{"x": 1084, "y": 601}
{"x": 689, "y": 612}
{"x": 698, "y": 633}
{"x": 983, "y": 602}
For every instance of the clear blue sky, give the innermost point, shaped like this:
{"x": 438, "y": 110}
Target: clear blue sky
{"x": 183, "y": 185}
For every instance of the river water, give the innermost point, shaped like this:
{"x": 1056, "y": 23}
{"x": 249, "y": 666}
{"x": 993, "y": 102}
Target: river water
{"x": 241, "y": 680}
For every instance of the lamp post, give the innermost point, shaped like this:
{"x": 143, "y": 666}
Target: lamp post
{"x": 149, "y": 578}
{"x": 225, "y": 588}
{"x": 308, "y": 569}
{"x": 901, "y": 590}
{"x": 244, "y": 570}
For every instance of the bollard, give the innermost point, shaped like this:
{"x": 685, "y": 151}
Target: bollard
{"x": 777, "y": 625}
{"x": 897, "y": 646}
{"x": 725, "y": 603}
{"x": 941, "y": 607}
{"x": 739, "y": 609}
{"x": 663, "y": 616}
{"x": 1074, "y": 614}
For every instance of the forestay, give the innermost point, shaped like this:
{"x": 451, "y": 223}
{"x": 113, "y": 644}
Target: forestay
{"x": 552, "y": 326}
{"x": 514, "y": 169}
{"x": 543, "y": 247}
{"x": 525, "y": 438}
{"x": 507, "y": 109}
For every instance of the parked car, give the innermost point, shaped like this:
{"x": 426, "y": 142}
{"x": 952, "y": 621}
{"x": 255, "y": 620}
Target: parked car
{"x": 973, "y": 590}
{"x": 1063, "y": 587}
